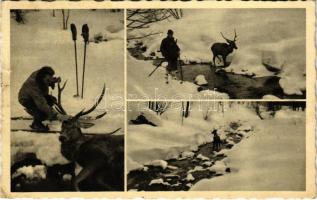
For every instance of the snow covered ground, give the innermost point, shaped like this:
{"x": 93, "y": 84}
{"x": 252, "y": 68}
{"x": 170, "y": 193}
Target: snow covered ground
{"x": 41, "y": 41}
{"x": 278, "y": 41}
{"x": 271, "y": 158}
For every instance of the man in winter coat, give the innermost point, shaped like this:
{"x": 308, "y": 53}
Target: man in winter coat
{"x": 34, "y": 96}
{"x": 170, "y": 51}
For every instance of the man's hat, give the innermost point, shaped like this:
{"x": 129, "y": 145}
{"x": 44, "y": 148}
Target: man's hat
{"x": 214, "y": 131}
{"x": 170, "y": 31}
{"x": 47, "y": 70}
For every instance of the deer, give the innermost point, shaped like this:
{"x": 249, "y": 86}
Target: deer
{"x": 100, "y": 156}
{"x": 216, "y": 144}
{"x": 224, "y": 49}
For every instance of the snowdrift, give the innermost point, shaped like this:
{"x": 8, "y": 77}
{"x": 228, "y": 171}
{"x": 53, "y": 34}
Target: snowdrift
{"x": 272, "y": 159}
{"x": 46, "y": 147}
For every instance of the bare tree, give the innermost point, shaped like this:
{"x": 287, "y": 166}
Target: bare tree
{"x": 182, "y": 112}
{"x": 187, "y": 109}
{"x": 159, "y": 107}
{"x": 143, "y": 18}
{"x": 65, "y": 18}
{"x": 176, "y": 13}
{"x": 18, "y": 15}
{"x": 206, "y": 114}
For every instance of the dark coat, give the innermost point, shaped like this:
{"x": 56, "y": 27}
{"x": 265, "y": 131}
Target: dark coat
{"x": 32, "y": 90}
{"x": 169, "y": 48}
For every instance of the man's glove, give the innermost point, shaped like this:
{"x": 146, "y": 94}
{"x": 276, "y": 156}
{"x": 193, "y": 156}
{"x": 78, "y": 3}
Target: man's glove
{"x": 62, "y": 118}
{"x": 53, "y": 99}
{"x": 53, "y": 81}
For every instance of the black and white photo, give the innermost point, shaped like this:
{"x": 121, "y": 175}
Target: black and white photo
{"x": 67, "y": 86}
{"x": 216, "y": 146}
{"x": 216, "y": 53}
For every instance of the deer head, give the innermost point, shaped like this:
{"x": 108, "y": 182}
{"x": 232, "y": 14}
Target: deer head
{"x": 71, "y": 128}
{"x": 232, "y": 43}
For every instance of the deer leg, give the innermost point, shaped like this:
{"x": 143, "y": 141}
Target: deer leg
{"x": 224, "y": 58}
{"x": 101, "y": 182}
{"x": 83, "y": 174}
{"x": 214, "y": 61}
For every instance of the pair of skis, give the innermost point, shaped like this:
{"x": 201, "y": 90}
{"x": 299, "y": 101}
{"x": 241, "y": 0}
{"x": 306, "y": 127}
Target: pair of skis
{"x": 179, "y": 69}
{"x": 85, "y": 35}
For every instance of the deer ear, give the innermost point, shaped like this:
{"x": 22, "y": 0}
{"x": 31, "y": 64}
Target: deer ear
{"x": 86, "y": 124}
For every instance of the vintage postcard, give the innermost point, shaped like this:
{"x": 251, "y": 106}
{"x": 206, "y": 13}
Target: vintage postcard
{"x": 158, "y": 99}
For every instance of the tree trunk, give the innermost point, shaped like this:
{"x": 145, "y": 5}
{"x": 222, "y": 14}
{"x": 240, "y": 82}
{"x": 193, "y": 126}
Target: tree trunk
{"x": 65, "y": 19}
{"x": 187, "y": 109}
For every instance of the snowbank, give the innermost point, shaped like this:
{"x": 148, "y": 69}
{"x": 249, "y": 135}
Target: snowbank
{"x": 289, "y": 114}
{"x": 158, "y": 163}
{"x": 46, "y": 147}
{"x": 273, "y": 159}
{"x": 200, "y": 80}
{"x": 36, "y": 172}
{"x": 136, "y": 109}
{"x": 277, "y": 41}
{"x": 219, "y": 167}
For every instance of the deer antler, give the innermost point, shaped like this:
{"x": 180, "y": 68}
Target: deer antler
{"x": 59, "y": 108}
{"x": 83, "y": 112}
{"x": 224, "y": 37}
{"x": 235, "y": 35}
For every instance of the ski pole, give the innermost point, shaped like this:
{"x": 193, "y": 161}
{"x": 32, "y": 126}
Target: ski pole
{"x": 74, "y": 36}
{"x": 85, "y": 34}
{"x": 155, "y": 68}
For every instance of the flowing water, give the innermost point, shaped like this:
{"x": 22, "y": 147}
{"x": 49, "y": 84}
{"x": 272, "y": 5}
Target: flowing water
{"x": 235, "y": 85}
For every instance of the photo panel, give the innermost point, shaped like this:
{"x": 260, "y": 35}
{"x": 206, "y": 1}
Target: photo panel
{"x": 216, "y": 53}
{"x": 216, "y": 146}
{"x": 67, "y": 90}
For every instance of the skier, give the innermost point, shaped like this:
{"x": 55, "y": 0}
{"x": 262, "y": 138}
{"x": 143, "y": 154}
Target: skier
{"x": 170, "y": 51}
{"x": 34, "y": 96}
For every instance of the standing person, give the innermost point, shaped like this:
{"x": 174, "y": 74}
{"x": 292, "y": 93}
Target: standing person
{"x": 170, "y": 51}
{"x": 34, "y": 96}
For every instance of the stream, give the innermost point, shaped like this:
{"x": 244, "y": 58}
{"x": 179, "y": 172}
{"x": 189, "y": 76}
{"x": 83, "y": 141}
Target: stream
{"x": 174, "y": 177}
{"x": 237, "y": 86}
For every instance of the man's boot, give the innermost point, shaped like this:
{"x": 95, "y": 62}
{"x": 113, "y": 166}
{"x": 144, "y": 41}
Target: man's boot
{"x": 39, "y": 126}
